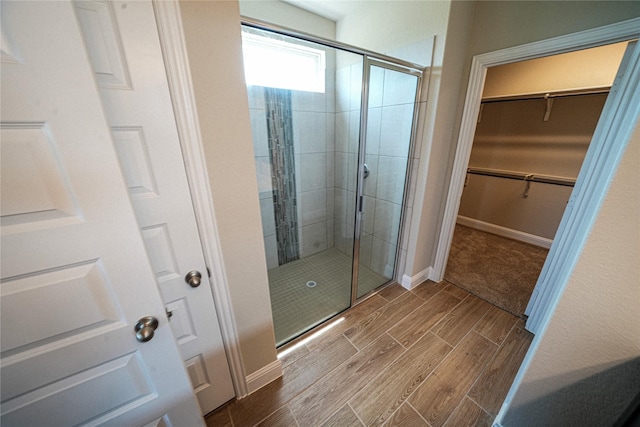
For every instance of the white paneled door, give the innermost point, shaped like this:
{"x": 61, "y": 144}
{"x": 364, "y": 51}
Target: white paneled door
{"x": 123, "y": 46}
{"x": 76, "y": 280}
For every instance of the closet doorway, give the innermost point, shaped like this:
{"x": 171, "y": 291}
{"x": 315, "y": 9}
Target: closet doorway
{"x": 536, "y": 121}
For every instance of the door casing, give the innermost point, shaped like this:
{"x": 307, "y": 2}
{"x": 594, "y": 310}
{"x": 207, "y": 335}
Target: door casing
{"x": 176, "y": 61}
{"x": 587, "y": 195}
{"x": 610, "y": 140}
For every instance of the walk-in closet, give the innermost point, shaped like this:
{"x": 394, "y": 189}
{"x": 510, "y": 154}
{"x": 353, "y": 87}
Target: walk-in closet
{"x": 535, "y": 124}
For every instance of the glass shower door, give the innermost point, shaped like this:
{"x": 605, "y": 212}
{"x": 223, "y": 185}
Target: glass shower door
{"x": 305, "y": 131}
{"x": 331, "y": 234}
{"x": 392, "y": 95}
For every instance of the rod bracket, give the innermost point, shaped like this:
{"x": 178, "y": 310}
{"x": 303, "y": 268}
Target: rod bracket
{"x": 547, "y": 111}
{"x": 527, "y": 186}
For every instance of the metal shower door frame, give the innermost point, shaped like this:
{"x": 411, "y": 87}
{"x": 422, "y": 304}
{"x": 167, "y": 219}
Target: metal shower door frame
{"x": 368, "y": 62}
{"x": 369, "y": 58}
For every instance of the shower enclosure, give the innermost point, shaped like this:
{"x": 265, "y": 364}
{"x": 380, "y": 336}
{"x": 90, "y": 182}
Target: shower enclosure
{"x": 332, "y": 146}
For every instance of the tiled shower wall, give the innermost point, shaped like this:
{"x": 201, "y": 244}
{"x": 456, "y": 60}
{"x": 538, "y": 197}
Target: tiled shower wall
{"x": 313, "y": 120}
{"x": 347, "y": 133}
{"x": 326, "y": 133}
{"x": 390, "y": 115}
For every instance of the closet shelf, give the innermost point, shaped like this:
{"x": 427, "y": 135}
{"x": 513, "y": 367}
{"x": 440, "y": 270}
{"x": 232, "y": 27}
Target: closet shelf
{"x": 550, "y": 94}
{"x": 523, "y": 176}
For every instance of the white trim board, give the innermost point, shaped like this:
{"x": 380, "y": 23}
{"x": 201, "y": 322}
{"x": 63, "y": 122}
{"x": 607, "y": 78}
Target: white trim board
{"x": 174, "y": 50}
{"x": 410, "y": 282}
{"x": 264, "y": 376}
{"x": 510, "y": 233}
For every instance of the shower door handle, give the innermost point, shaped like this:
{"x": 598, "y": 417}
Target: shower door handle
{"x": 365, "y": 175}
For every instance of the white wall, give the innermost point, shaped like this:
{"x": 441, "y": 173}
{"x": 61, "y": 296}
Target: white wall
{"x": 583, "y": 69}
{"x": 445, "y": 94}
{"x": 586, "y": 368}
{"x": 288, "y": 16}
{"x": 501, "y": 24}
{"x": 512, "y": 136}
{"x": 387, "y": 26}
{"x": 212, "y": 34}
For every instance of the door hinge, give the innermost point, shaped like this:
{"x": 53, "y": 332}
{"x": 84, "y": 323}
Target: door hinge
{"x": 208, "y": 273}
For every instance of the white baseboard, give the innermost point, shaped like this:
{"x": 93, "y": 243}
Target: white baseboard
{"x": 410, "y": 282}
{"x": 521, "y": 236}
{"x": 264, "y": 376}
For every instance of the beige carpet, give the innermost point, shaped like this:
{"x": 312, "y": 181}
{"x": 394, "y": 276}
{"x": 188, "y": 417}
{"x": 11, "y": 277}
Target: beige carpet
{"x": 499, "y": 270}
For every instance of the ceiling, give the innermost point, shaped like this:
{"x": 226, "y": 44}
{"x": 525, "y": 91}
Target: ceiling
{"x": 330, "y": 9}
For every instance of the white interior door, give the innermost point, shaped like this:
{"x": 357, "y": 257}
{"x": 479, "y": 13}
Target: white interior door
{"x": 75, "y": 275}
{"x": 124, "y": 49}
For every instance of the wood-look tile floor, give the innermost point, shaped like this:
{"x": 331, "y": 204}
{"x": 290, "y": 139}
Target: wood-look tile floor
{"x": 434, "y": 356}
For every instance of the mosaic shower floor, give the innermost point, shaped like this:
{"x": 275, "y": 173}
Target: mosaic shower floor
{"x": 297, "y": 307}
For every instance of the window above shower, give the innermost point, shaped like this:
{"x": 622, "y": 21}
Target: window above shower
{"x": 270, "y": 62}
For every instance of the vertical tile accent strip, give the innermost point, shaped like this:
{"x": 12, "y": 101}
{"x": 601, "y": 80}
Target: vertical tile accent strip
{"x": 283, "y": 176}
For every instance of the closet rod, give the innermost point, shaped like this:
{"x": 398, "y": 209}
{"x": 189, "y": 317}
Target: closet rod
{"x": 543, "y": 95}
{"x": 521, "y": 176}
